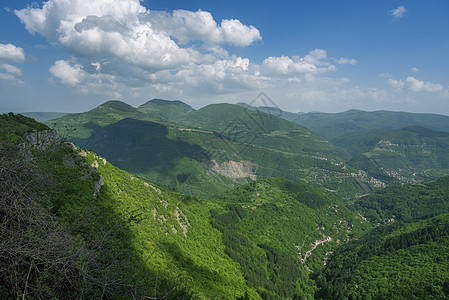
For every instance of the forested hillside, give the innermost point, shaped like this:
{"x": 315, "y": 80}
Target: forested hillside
{"x": 394, "y": 147}
{"x": 74, "y": 224}
{"x": 108, "y": 232}
{"x": 401, "y": 261}
{"x": 211, "y": 150}
{"x": 404, "y": 257}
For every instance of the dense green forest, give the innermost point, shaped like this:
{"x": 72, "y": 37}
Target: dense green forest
{"x": 73, "y": 225}
{"x": 405, "y": 203}
{"x": 400, "y": 261}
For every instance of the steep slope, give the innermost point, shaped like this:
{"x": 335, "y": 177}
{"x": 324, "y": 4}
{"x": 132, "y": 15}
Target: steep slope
{"x": 76, "y": 225}
{"x": 405, "y": 256}
{"x": 402, "y": 261}
{"x": 126, "y": 237}
{"x": 80, "y": 125}
{"x": 258, "y": 128}
{"x": 280, "y": 231}
{"x": 390, "y": 146}
{"x": 58, "y": 241}
{"x": 173, "y": 234}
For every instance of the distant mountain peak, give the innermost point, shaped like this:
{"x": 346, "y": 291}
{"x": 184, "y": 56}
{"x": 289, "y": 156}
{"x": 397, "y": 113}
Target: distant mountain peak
{"x": 117, "y": 105}
{"x": 162, "y": 102}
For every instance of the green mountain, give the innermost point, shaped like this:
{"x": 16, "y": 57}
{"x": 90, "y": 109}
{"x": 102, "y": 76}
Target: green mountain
{"x": 281, "y": 231}
{"x": 257, "y": 128}
{"x": 210, "y": 150}
{"x": 332, "y": 126}
{"x": 404, "y": 257}
{"x": 74, "y": 224}
{"x": 170, "y": 111}
{"x": 390, "y": 146}
{"x": 44, "y": 116}
{"x": 97, "y": 231}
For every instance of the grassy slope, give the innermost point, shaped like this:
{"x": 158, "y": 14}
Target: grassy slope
{"x": 412, "y": 153}
{"x": 255, "y": 127}
{"x": 173, "y": 234}
{"x": 247, "y": 240}
{"x": 81, "y": 125}
{"x": 418, "y": 154}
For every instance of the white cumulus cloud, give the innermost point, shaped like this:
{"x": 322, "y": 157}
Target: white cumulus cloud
{"x": 344, "y": 61}
{"x": 186, "y": 26}
{"x": 105, "y": 29}
{"x": 74, "y": 75}
{"x": 421, "y": 86}
{"x": 398, "y": 13}
{"x": 10, "y": 54}
{"x": 397, "y": 84}
{"x": 126, "y": 30}
{"x": 313, "y": 63}
{"x": 411, "y": 84}
{"x": 121, "y": 49}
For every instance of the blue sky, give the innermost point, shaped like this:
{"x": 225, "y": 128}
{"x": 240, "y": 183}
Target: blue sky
{"x": 325, "y": 56}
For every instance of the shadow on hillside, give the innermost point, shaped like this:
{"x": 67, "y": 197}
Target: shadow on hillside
{"x": 139, "y": 146}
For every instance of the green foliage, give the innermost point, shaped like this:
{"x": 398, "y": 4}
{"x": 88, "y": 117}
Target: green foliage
{"x": 407, "y": 202}
{"x": 407, "y": 261}
{"x": 406, "y": 154}
{"x": 172, "y": 234}
{"x": 390, "y": 146}
{"x": 15, "y": 126}
{"x": 337, "y": 125}
{"x": 57, "y": 241}
{"x": 108, "y": 233}
{"x": 267, "y": 224}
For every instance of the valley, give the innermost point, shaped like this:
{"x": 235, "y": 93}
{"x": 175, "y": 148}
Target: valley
{"x": 189, "y": 150}
{"x": 179, "y": 205}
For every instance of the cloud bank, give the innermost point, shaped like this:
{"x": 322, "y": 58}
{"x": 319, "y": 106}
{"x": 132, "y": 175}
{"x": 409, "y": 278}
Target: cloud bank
{"x": 121, "y": 49}
{"x": 9, "y": 55}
